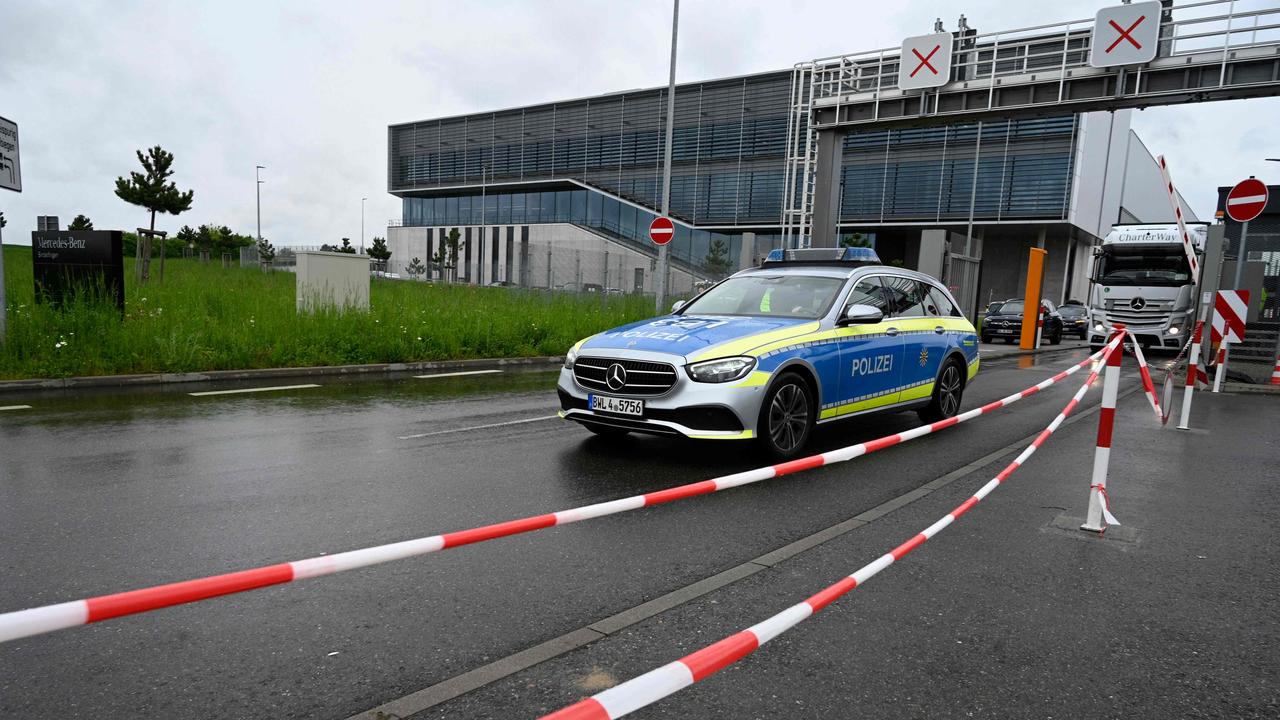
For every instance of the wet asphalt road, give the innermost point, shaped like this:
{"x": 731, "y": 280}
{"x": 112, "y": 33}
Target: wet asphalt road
{"x": 107, "y": 492}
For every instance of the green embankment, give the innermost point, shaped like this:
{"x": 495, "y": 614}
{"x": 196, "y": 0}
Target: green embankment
{"x": 204, "y": 317}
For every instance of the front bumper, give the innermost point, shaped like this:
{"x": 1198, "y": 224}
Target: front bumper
{"x": 1149, "y": 336}
{"x": 704, "y": 411}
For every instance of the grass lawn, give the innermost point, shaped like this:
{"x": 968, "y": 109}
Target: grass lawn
{"x": 204, "y": 317}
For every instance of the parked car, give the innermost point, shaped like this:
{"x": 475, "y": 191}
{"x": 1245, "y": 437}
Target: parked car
{"x": 1075, "y": 320}
{"x": 1005, "y": 322}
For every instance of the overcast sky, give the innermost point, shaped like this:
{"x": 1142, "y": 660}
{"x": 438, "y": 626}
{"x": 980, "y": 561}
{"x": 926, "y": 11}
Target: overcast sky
{"x": 308, "y": 88}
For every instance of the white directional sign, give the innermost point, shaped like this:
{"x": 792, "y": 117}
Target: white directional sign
{"x": 10, "y": 168}
{"x": 925, "y": 61}
{"x": 1125, "y": 35}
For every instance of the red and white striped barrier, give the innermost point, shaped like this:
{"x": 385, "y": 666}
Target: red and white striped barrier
{"x": 669, "y": 679}
{"x": 1099, "y": 516}
{"x": 1220, "y": 364}
{"x": 1144, "y": 373}
{"x": 1187, "y": 246}
{"x": 1193, "y": 376}
{"x": 1275, "y": 372}
{"x": 34, "y": 621}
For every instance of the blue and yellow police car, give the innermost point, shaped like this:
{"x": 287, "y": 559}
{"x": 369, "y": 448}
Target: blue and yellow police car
{"x": 809, "y": 337}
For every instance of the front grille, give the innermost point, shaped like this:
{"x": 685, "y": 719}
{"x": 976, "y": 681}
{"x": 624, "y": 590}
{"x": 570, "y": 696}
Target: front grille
{"x": 642, "y": 378}
{"x": 1155, "y": 314}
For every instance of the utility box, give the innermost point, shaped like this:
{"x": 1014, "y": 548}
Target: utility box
{"x": 332, "y": 280}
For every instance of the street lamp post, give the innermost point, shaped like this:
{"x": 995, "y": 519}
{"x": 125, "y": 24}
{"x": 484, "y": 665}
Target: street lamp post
{"x": 362, "y": 223}
{"x": 258, "y": 190}
{"x": 660, "y": 282}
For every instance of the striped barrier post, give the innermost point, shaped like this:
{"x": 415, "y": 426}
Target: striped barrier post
{"x": 1193, "y": 376}
{"x": 48, "y": 618}
{"x": 1144, "y": 373}
{"x": 1099, "y": 515}
{"x": 1275, "y": 372}
{"x": 646, "y": 689}
{"x": 1223, "y": 351}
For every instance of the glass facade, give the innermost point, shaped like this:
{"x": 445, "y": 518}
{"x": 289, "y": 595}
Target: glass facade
{"x": 727, "y": 150}
{"x": 728, "y": 158}
{"x": 619, "y": 220}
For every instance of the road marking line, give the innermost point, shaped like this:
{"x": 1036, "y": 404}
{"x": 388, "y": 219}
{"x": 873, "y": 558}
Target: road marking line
{"x": 15, "y": 407}
{"x": 478, "y": 427}
{"x": 457, "y": 374}
{"x": 522, "y": 660}
{"x": 252, "y": 390}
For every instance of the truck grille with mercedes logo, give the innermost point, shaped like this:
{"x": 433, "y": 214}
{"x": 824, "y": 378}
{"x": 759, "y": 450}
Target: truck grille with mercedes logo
{"x": 1139, "y": 312}
{"x": 624, "y": 377}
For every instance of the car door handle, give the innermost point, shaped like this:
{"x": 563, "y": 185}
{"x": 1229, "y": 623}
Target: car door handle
{"x": 891, "y": 332}
{"x": 939, "y": 330}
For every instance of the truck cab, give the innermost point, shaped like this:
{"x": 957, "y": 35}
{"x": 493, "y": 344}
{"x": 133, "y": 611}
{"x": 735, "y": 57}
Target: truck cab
{"x": 1142, "y": 279}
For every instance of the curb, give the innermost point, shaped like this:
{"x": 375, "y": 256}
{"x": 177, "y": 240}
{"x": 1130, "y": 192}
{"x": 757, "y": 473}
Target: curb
{"x": 318, "y": 371}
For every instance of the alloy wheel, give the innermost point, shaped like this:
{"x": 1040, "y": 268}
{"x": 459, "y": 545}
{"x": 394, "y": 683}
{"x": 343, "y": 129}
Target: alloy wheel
{"x": 949, "y": 391}
{"x": 788, "y": 417}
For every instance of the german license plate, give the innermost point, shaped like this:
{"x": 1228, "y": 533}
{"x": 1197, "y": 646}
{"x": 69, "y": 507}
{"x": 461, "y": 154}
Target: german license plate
{"x": 622, "y": 406}
{"x": 1004, "y": 331}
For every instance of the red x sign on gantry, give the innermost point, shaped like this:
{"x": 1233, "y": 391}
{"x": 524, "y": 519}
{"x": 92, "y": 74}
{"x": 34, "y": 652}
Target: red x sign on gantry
{"x": 924, "y": 60}
{"x": 1125, "y": 33}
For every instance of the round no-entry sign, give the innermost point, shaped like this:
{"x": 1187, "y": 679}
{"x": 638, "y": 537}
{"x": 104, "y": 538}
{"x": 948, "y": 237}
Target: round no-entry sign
{"x": 1246, "y": 200}
{"x": 661, "y": 230}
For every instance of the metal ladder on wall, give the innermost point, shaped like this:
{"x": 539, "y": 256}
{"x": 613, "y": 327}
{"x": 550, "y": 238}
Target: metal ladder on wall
{"x": 801, "y": 155}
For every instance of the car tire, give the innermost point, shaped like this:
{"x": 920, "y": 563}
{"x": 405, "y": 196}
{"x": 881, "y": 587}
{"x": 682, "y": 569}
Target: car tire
{"x": 948, "y": 391}
{"x": 986, "y": 339}
{"x": 607, "y": 432}
{"x": 1056, "y": 339}
{"x": 787, "y": 417}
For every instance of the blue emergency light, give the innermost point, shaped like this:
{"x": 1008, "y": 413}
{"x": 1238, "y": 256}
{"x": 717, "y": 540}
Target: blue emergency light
{"x": 822, "y": 256}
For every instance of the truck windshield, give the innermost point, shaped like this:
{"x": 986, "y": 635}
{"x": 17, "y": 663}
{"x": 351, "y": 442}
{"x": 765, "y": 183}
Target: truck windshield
{"x": 1133, "y": 266}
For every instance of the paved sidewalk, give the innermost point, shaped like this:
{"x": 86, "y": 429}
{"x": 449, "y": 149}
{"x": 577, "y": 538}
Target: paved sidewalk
{"x": 1003, "y": 614}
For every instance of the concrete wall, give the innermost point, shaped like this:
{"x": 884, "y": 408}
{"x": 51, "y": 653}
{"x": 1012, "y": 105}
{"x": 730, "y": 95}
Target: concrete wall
{"x": 331, "y": 279}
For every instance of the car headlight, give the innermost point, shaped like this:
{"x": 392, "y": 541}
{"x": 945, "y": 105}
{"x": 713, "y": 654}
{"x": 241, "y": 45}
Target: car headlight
{"x": 570, "y": 358}
{"x": 723, "y": 370}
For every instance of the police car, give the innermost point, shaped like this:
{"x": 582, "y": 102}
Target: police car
{"x": 809, "y": 337}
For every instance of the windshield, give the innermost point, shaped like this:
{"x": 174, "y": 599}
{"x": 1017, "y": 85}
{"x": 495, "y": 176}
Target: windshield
{"x": 793, "y": 296}
{"x": 1072, "y": 311}
{"x": 1013, "y": 307}
{"x": 1134, "y": 266}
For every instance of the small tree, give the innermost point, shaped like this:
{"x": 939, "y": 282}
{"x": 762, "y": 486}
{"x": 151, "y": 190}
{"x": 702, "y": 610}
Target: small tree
{"x": 415, "y": 268}
{"x": 856, "y": 239}
{"x": 440, "y": 261}
{"x": 379, "y": 251}
{"x": 452, "y": 243}
{"x": 187, "y": 237}
{"x": 346, "y": 247}
{"x": 716, "y": 263}
{"x": 266, "y": 252}
{"x": 82, "y": 222}
{"x": 153, "y": 191}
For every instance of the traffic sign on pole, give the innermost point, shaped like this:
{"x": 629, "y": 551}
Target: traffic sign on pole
{"x": 661, "y": 230}
{"x": 1247, "y": 200}
{"x": 10, "y": 166}
{"x": 1125, "y": 35}
{"x": 925, "y": 61}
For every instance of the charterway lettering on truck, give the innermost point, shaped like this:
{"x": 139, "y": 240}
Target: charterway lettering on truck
{"x": 872, "y": 365}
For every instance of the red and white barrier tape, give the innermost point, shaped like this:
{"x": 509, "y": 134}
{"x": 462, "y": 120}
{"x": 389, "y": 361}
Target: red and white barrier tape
{"x": 34, "y": 621}
{"x": 669, "y": 679}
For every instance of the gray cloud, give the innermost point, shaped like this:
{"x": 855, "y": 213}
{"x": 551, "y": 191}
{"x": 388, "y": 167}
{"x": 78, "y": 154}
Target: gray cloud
{"x": 308, "y": 88}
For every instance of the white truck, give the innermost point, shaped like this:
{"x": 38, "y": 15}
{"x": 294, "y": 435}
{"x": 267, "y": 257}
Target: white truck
{"x": 1141, "y": 278}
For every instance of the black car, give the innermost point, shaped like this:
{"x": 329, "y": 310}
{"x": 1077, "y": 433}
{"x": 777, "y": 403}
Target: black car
{"x": 1005, "y": 322}
{"x": 1075, "y": 320}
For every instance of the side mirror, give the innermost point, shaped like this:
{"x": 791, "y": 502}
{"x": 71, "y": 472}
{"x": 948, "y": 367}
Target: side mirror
{"x": 860, "y": 315}
{"x": 675, "y": 306}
